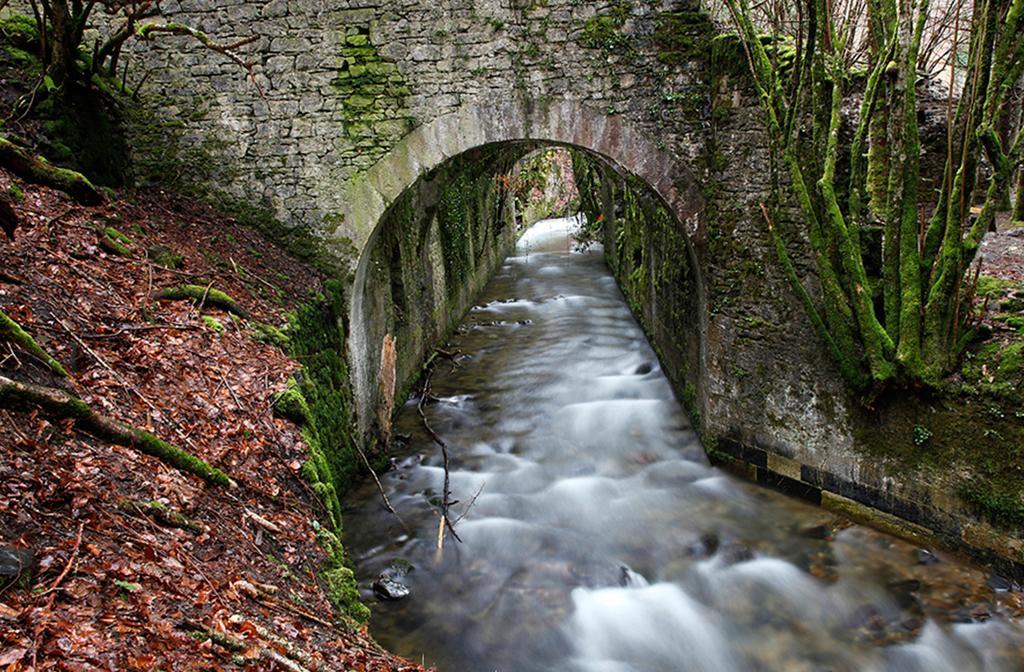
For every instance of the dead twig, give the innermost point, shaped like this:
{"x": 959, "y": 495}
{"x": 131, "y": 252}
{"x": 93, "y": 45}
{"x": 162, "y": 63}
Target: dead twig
{"x": 445, "y": 521}
{"x": 380, "y": 489}
{"x": 107, "y": 366}
{"x": 51, "y": 591}
{"x": 469, "y": 506}
{"x": 71, "y": 561}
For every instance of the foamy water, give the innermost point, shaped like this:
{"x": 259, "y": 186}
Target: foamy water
{"x": 600, "y": 538}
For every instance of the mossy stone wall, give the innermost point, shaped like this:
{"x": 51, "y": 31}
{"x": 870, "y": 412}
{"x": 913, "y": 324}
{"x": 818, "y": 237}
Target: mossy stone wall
{"x": 364, "y": 101}
{"x": 432, "y": 254}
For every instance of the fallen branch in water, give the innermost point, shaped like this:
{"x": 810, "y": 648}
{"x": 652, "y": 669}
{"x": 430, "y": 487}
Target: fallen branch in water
{"x": 445, "y": 521}
{"x": 380, "y": 489}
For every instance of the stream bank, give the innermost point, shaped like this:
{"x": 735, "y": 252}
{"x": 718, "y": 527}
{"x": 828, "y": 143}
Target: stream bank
{"x": 125, "y": 561}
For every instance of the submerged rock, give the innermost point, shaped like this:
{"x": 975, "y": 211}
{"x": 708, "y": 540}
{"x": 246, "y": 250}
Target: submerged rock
{"x": 630, "y": 579}
{"x": 390, "y": 590}
{"x": 389, "y": 585}
{"x": 734, "y": 553}
{"x": 821, "y": 531}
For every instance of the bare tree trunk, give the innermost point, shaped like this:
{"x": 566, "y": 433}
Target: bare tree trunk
{"x": 1018, "y": 206}
{"x": 63, "y": 45}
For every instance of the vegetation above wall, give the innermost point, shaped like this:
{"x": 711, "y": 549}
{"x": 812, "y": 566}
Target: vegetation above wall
{"x": 908, "y": 321}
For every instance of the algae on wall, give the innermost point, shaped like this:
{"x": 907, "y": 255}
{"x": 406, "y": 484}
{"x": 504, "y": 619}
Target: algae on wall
{"x": 431, "y": 254}
{"x": 649, "y": 255}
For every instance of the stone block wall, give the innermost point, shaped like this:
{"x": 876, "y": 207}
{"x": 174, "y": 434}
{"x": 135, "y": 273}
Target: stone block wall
{"x": 364, "y": 98}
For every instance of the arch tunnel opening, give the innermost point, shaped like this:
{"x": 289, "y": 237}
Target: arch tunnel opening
{"x": 442, "y": 239}
{"x": 594, "y": 533}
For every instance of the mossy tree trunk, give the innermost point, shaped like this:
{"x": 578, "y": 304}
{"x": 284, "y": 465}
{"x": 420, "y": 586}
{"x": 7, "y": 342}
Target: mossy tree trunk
{"x": 916, "y": 332}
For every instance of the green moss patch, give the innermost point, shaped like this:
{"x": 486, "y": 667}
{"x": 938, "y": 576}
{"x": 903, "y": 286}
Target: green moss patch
{"x": 604, "y": 31}
{"x": 165, "y": 256}
{"x": 319, "y": 400}
{"x": 213, "y": 324}
{"x": 206, "y": 296}
{"x": 683, "y": 36}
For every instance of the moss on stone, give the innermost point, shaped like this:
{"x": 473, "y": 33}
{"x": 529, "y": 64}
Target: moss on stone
{"x": 20, "y": 29}
{"x": 319, "y": 399}
{"x": 604, "y": 31}
{"x": 373, "y": 91}
{"x": 343, "y": 591}
{"x": 683, "y": 36}
{"x": 994, "y": 502}
{"x": 994, "y": 288}
{"x": 289, "y": 403}
{"x": 165, "y": 256}
{"x": 454, "y": 215}
{"x": 271, "y": 335}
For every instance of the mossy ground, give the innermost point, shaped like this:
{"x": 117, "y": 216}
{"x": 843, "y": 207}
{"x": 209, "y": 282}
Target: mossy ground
{"x": 970, "y": 432}
{"x": 319, "y": 400}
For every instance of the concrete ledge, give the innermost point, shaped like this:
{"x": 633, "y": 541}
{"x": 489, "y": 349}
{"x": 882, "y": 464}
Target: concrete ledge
{"x": 920, "y": 523}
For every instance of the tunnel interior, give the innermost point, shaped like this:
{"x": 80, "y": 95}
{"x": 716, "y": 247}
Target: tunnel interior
{"x": 440, "y": 242}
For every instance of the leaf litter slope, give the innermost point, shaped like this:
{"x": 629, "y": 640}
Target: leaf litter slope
{"x": 132, "y": 556}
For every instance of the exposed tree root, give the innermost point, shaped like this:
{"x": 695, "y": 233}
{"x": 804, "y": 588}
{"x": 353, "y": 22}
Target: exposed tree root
{"x": 12, "y": 331}
{"x": 203, "y": 296}
{"x": 24, "y": 165}
{"x": 62, "y": 404}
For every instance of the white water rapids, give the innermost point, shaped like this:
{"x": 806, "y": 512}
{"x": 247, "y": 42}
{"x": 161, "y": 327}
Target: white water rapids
{"x": 600, "y": 538}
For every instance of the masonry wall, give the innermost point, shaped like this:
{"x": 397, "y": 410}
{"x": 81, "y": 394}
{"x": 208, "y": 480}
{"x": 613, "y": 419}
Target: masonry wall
{"x": 435, "y": 250}
{"x": 345, "y": 81}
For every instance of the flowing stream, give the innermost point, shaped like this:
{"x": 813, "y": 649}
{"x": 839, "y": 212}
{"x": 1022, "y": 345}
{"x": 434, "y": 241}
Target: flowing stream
{"x": 598, "y": 536}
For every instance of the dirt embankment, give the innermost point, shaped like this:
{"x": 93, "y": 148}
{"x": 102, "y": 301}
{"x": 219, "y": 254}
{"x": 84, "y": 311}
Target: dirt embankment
{"x": 131, "y": 563}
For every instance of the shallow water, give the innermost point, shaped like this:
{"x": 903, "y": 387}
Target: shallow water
{"x": 599, "y": 538}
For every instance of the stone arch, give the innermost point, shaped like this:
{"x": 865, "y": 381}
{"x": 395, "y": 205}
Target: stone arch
{"x": 566, "y": 122}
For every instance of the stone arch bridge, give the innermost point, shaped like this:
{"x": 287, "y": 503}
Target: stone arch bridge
{"x": 373, "y": 109}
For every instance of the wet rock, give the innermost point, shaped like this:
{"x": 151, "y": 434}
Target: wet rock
{"x": 862, "y": 615}
{"x": 705, "y": 546}
{"x": 981, "y": 613}
{"x": 14, "y": 562}
{"x": 644, "y": 369}
{"x": 390, "y": 585}
{"x": 960, "y": 616}
{"x": 390, "y": 590}
{"x": 734, "y": 553}
{"x": 905, "y": 592}
{"x": 630, "y": 579}
{"x": 1001, "y": 584}
{"x": 926, "y": 557}
{"x": 399, "y": 567}
{"x": 816, "y": 532}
